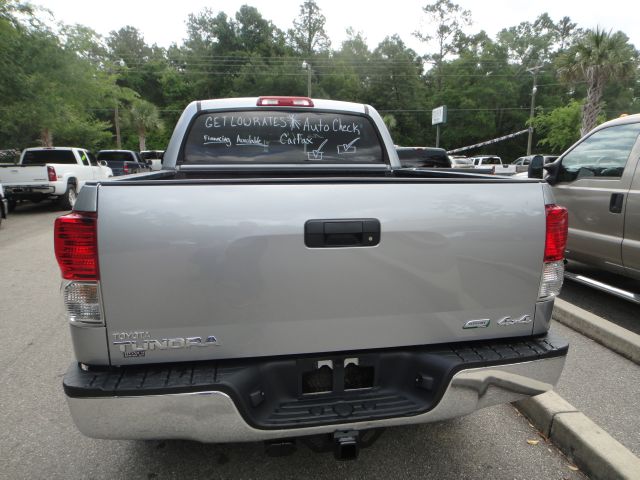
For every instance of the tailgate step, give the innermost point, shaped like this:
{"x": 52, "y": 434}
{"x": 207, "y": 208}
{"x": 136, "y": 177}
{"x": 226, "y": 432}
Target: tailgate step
{"x": 406, "y": 382}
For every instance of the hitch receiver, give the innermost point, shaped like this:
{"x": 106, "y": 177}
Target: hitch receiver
{"x": 346, "y": 445}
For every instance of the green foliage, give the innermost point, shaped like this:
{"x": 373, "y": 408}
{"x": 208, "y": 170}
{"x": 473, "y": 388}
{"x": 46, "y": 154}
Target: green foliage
{"x": 308, "y": 35}
{"x": 49, "y": 92}
{"x": 597, "y": 58}
{"x": 144, "y": 117}
{"x": 560, "y": 128}
{"x": 64, "y": 86}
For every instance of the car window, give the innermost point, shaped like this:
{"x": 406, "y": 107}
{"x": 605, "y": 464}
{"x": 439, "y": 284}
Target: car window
{"x": 491, "y": 161}
{"x": 282, "y": 137}
{"x": 84, "y": 158}
{"x": 42, "y": 157}
{"x": 601, "y": 155}
{"x": 121, "y": 156}
{"x": 92, "y": 159}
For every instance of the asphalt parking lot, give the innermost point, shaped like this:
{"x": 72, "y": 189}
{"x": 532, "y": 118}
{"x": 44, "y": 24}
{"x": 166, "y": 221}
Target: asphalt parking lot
{"x": 38, "y": 438}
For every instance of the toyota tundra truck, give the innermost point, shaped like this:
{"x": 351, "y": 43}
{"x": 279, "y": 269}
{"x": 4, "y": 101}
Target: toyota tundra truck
{"x": 283, "y": 276}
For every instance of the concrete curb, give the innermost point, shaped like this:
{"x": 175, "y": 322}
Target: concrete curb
{"x": 592, "y": 449}
{"x": 616, "y": 338}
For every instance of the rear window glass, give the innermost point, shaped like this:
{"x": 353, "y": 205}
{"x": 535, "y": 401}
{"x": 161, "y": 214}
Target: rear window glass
{"x": 40, "y": 157}
{"x": 281, "y": 137}
{"x": 491, "y": 161}
{"x": 461, "y": 161}
{"x": 120, "y": 156}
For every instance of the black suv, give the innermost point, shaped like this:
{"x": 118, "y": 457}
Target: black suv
{"x": 423, "y": 157}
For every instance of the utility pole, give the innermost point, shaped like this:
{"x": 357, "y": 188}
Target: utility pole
{"x": 116, "y": 121}
{"x": 307, "y": 66}
{"x": 534, "y": 72}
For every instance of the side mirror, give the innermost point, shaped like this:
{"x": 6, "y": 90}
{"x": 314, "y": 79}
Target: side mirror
{"x": 536, "y": 165}
{"x": 553, "y": 172}
{"x": 103, "y": 163}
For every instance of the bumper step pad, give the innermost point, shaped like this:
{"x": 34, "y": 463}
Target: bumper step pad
{"x": 268, "y": 391}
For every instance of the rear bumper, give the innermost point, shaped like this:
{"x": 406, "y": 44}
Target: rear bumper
{"x": 29, "y": 191}
{"x": 105, "y": 404}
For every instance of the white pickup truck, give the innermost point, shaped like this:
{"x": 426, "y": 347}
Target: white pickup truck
{"x": 56, "y": 172}
{"x": 492, "y": 161}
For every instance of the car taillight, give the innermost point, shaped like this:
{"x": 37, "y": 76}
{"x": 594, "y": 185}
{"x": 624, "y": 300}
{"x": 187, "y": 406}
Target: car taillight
{"x": 76, "y": 246}
{"x": 557, "y": 230}
{"x": 125, "y": 168}
{"x": 557, "y": 226}
{"x": 284, "y": 102}
{"x": 51, "y": 172}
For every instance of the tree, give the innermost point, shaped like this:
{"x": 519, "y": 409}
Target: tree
{"x": 396, "y": 86}
{"x": 559, "y": 128}
{"x": 144, "y": 117}
{"x": 449, "y": 20}
{"x": 597, "y": 58}
{"x": 50, "y": 91}
{"x": 308, "y": 35}
{"x": 529, "y": 44}
{"x": 128, "y": 44}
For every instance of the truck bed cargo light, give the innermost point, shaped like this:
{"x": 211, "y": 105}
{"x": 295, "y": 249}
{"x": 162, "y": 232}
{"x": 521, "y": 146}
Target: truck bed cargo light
{"x": 285, "y": 102}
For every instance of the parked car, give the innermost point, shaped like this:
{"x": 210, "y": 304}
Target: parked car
{"x": 153, "y": 158}
{"x": 494, "y": 162}
{"x": 296, "y": 280}
{"x": 458, "y": 161}
{"x": 425, "y": 157}
{"x": 56, "y": 172}
{"x": 123, "y": 162}
{"x": 598, "y": 181}
{"x": 9, "y": 156}
{"x": 4, "y": 205}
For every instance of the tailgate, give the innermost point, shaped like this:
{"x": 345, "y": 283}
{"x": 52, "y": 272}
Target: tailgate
{"x": 229, "y": 261}
{"x": 16, "y": 175}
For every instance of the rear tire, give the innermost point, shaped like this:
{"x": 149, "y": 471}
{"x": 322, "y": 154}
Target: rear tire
{"x": 12, "y": 205}
{"x": 67, "y": 200}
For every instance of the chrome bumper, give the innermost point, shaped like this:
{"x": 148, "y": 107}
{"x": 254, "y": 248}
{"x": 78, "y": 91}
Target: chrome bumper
{"x": 213, "y": 417}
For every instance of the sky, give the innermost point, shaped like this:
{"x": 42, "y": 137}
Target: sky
{"x": 163, "y": 22}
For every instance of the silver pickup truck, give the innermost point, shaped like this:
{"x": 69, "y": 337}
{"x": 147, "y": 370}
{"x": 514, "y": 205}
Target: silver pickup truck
{"x": 286, "y": 278}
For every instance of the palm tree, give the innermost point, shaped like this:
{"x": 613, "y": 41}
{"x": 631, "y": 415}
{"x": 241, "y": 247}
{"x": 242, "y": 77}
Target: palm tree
{"x": 597, "y": 58}
{"x": 144, "y": 116}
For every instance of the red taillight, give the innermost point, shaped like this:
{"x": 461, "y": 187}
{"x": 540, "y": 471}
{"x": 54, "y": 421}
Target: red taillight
{"x": 125, "y": 168}
{"x": 51, "y": 172}
{"x": 557, "y": 229}
{"x": 76, "y": 245}
{"x": 285, "y": 102}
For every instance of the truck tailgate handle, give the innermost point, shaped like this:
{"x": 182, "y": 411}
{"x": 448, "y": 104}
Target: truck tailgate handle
{"x": 616, "y": 202}
{"x": 334, "y": 233}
